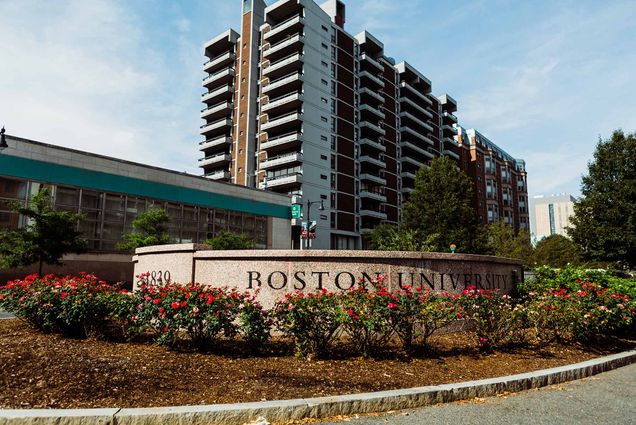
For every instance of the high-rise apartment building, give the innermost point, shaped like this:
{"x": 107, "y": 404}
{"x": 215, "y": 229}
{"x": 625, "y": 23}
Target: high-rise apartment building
{"x": 297, "y": 105}
{"x": 551, "y": 215}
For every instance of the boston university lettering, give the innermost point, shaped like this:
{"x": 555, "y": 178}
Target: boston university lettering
{"x": 303, "y": 280}
{"x": 274, "y": 273}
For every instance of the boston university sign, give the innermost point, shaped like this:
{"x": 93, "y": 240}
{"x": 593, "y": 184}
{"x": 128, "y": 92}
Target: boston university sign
{"x": 275, "y": 273}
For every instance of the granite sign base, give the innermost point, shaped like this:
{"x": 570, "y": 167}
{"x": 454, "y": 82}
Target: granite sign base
{"x": 277, "y": 272}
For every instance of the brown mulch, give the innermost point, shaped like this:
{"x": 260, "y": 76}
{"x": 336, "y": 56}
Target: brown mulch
{"x": 50, "y": 371}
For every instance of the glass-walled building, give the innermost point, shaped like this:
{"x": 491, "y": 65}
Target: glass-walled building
{"x": 110, "y": 193}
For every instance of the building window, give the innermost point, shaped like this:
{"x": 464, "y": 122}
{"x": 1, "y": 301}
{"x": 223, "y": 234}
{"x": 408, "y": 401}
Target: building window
{"x": 323, "y": 100}
{"x": 324, "y": 119}
{"x": 324, "y": 82}
{"x": 324, "y": 46}
{"x": 325, "y": 29}
{"x": 325, "y": 64}
{"x": 323, "y": 157}
{"x": 323, "y": 138}
{"x": 323, "y": 177}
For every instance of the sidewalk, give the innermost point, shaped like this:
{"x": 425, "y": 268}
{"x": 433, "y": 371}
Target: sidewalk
{"x": 608, "y": 398}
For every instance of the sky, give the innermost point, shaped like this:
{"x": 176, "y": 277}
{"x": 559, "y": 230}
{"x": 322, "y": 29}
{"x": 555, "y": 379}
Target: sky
{"x": 542, "y": 79}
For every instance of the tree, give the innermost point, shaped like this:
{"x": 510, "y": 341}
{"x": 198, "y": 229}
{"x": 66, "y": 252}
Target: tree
{"x": 441, "y": 207}
{"x": 556, "y": 251}
{"x": 387, "y": 237}
{"x": 502, "y": 241}
{"x": 604, "y": 221}
{"x": 149, "y": 228}
{"x": 48, "y": 235}
{"x": 226, "y": 241}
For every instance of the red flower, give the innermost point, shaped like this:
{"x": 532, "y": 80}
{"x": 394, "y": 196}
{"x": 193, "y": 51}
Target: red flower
{"x": 210, "y": 299}
{"x": 183, "y": 304}
{"x": 392, "y": 305}
{"x": 161, "y": 310}
{"x": 156, "y": 301}
{"x": 166, "y": 329}
{"x": 175, "y": 305}
{"x": 63, "y": 294}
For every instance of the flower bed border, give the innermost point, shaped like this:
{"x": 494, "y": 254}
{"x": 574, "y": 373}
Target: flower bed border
{"x": 322, "y": 407}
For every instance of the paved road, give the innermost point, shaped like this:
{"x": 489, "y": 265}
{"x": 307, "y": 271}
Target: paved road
{"x": 608, "y": 398}
{"x": 5, "y": 315}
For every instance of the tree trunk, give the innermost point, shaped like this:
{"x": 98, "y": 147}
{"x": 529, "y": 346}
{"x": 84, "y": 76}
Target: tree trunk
{"x": 40, "y": 268}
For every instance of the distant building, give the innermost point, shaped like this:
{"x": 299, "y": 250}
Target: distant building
{"x": 551, "y": 215}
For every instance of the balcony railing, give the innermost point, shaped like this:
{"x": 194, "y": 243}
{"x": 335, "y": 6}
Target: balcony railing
{"x": 283, "y": 140}
{"x": 217, "y": 92}
{"x": 450, "y": 153}
{"x": 283, "y": 180}
{"x": 213, "y": 143}
{"x": 377, "y": 196}
{"x": 410, "y": 160}
{"x": 282, "y": 44}
{"x": 372, "y": 93}
{"x": 294, "y": 116}
{"x": 373, "y": 143}
{"x": 279, "y": 82}
{"x": 416, "y": 120}
{"x": 373, "y": 78}
{"x": 405, "y": 145}
{"x": 373, "y": 127}
{"x": 417, "y": 135}
{"x": 373, "y": 213}
{"x": 216, "y": 125}
{"x": 372, "y": 61}
{"x": 416, "y": 92}
{"x": 225, "y": 57}
{"x": 229, "y": 72}
{"x": 373, "y": 178}
{"x": 416, "y": 106}
{"x": 282, "y": 100}
{"x": 372, "y": 109}
{"x": 371, "y": 160}
{"x": 287, "y": 60}
{"x": 215, "y": 159}
{"x": 283, "y": 25}
{"x": 218, "y": 175}
{"x": 281, "y": 160}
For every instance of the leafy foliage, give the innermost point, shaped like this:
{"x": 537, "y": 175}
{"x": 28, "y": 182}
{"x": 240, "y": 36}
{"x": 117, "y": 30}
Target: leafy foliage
{"x": 48, "y": 235}
{"x": 149, "y": 228}
{"x": 604, "y": 221}
{"x": 556, "y": 251}
{"x": 387, "y": 237}
{"x": 227, "y": 240}
{"x": 502, "y": 241}
{"x": 441, "y": 207}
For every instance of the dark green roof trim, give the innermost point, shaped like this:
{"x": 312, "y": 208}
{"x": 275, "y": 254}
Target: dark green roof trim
{"x": 62, "y": 174}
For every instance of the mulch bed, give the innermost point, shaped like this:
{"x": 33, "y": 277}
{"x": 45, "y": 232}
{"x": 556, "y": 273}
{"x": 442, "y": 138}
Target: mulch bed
{"x": 50, "y": 371}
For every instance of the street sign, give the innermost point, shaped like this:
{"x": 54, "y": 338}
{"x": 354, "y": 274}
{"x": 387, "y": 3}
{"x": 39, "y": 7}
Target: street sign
{"x": 296, "y": 211}
{"x": 312, "y": 230}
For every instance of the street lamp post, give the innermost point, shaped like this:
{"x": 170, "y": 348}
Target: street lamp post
{"x": 321, "y": 208}
{"x": 3, "y": 140}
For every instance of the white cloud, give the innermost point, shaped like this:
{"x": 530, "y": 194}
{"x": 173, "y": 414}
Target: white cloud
{"x": 81, "y": 74}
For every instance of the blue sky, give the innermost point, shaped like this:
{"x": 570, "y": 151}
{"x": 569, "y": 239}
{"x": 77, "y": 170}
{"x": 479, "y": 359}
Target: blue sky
{"x": 542, "y": 79}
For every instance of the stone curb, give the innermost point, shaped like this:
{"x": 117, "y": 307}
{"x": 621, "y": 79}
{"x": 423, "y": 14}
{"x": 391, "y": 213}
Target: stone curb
{"x": 323, "y": 407}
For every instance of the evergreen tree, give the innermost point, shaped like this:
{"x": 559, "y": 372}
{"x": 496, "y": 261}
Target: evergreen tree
{"x": 149, "y": 228}
{"x": 604, "y": 221}
{"x": 440, "y": 208}
{"x": 48, "y": 235}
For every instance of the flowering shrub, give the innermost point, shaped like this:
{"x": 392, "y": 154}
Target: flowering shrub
{"x": 312, "y": 320}
{"x": 580, "y": 315}
{"x": 202, "y": 313}
{"x": 365, "y": 317}
{"x": 418, "y": 314}
{"x": 496, "y": 319}
{"x": 75, "y": 306}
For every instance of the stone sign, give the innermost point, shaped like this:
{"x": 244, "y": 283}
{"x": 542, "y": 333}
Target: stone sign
{"x": 275, "y": 273}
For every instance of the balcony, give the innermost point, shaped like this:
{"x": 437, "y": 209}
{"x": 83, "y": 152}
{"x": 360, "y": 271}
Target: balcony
{"x": 372, "y": 143}
{"x": 282, "y": 142}
{"x": 408, "y": 175}
{"x": 372, "y": 61}
{"x": 410, "y": 160}
{"x": 376, "y": 129}
{"x": 277, "y": 161}
{"x": 216, "y": 159}
{"x": 450, "y": 116}
{"x": 216, "y": 96}
{"x": 281, "y": 181}
{"x": 450, "y": 140}
{"x": 376, "y": 196}
{"x": 215, "y": 143}
{"x": 220, "y": 61}
{"x": 377, "y": 81}
{"x": 373, "y": 111}
{"x": 416, "y": 120}
{"x": 291, "y": 24}
{"x": 374, "y": 214}
{"x": 372, "y": 94}
{"x": 371, "y": 160}
{"x": 214, "y": 126}
{"x": 417, "y": 135}
{"x": 407, "y": 190}
{"x": 218, "y": 175}
{"x": 293, "y": 79}
{"x": 409, "y": 88}
{"x": 406, "y": 145}
{"x": 284, "y": 47}
{"x": 224, "y": 76}
{"x": 286, "y": 102}
{"x": 449, "y": 128}
{"x": 373, "y": 178}
{"x": 284, "y": 121}
{"x": 284, "y": 65}
{"x": 447, "y": 152}
{"x": 416, "y": 106}
{"x": 216, "y": 111}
